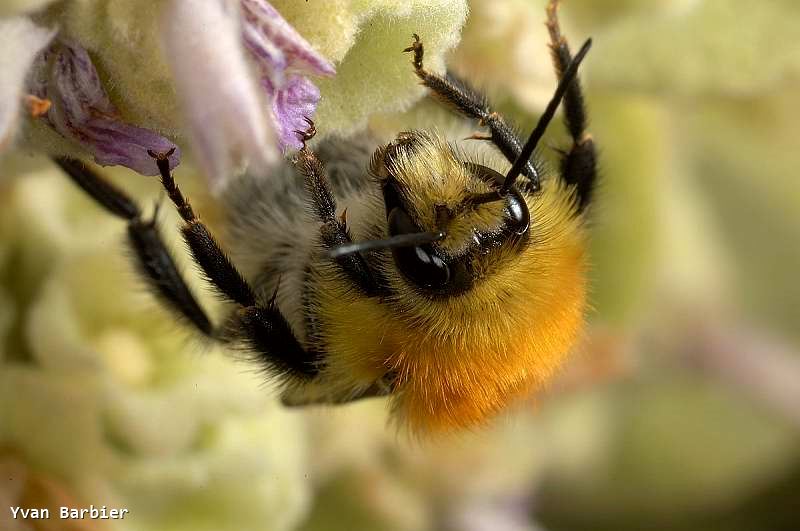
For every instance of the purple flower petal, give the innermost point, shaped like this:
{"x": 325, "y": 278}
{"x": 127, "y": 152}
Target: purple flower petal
{"x": 117, "y": 143}
{"x": 281, "y": 55}
{"x": 292, "y": 103}
{"x": 263, "y": 19}
{"x": 269, "y": 57}
{"x": 82, "y": 112}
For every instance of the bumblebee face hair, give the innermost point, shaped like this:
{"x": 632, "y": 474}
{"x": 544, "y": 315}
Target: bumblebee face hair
{"x": 435, "y": 279}
{"x": 428, "y": 189}
{"x": 416, "y": 166}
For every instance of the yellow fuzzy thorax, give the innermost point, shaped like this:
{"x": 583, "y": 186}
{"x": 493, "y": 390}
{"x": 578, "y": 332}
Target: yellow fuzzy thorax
{"x": 461, "y": 359}
{"x": 431, "y": 173}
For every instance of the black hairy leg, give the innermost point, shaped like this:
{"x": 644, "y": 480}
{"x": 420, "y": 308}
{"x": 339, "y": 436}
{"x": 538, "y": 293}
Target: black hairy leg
{"x": 263, "y": 328}
{"x": 465, "y": 99}
{"x": 152, "y": 257}
{"x": 205, "y": 250}
{"x": 333, "y": 230}
{"x": 579, "y": 164}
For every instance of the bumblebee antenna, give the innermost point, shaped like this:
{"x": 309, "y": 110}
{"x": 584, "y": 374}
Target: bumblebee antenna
{"x": 544, "y": 119}
{"x": 401, "y": 240}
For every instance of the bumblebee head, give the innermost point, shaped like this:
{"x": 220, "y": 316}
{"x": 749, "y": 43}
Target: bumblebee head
{"x": 456, "y": 225}
{"x": 488, "y": 292}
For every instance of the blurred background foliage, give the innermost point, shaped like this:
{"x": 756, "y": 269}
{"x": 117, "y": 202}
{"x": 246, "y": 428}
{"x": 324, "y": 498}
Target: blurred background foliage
{"x": 680, "y": 410}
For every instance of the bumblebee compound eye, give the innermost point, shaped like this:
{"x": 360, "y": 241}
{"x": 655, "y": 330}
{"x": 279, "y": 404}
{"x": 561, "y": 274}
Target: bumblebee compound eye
{"x": 517, "y": 217}
{"x": 419, "y": 264}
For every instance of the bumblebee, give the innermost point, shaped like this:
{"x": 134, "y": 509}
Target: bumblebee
{"x": 413, "y": 271}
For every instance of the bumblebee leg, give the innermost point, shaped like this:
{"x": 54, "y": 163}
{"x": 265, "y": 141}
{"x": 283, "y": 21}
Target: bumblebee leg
{"x": 266, "y": 332}
{"x": 263, "y": 329}
{"x": 468, "y": 101}
{"x": 579, "y": 164}
{"x": 334, "y": 229}
{"x": 152, "y": 257}
{"x": 204, "y": 248}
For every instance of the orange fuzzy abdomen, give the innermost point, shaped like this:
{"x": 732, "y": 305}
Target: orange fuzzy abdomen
{"x": 469, "y": 367}
{"x": 459, "y": 384}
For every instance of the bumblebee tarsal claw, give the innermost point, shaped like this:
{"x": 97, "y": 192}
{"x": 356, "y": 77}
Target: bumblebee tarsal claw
{"x": 161, "y": 156}
{"x": 419, "y": 52}
{"x": 308, "y": 134}
{"x": 478, "y": 136}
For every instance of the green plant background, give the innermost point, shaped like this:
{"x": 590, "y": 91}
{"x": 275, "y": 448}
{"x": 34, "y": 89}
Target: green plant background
{"x": 680, "y": 409}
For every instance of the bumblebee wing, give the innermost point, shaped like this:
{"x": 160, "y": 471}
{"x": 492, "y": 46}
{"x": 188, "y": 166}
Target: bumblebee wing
{"x": 346, "y": 161}
{"x": 293, "y": 398}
